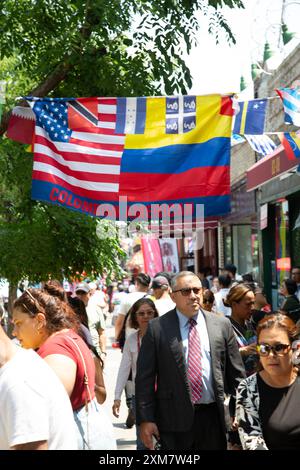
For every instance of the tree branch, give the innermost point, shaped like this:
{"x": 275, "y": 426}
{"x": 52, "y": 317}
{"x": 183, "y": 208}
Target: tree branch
{"x": 60, "y": 72}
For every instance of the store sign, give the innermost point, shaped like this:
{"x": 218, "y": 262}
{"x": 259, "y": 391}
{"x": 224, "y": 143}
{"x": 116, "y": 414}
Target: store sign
{"x": 263, "y": 216}
{"x": 269, "y": 168}
{"x": 283, "y": 264}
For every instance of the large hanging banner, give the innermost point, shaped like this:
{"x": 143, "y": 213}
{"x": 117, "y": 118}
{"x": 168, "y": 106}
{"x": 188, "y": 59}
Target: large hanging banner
{"x": 92, "y": 153}
{"x": 152, "y": 256}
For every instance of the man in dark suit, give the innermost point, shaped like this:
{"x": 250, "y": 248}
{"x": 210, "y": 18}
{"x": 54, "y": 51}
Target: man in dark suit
{"x": 188, "y": 360}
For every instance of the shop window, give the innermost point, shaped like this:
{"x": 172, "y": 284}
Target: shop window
{"x": 242, "y": 248}
{"x": 282, "y": 245}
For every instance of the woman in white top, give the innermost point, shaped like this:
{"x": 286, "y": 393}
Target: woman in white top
{"x": 141, "y": 312}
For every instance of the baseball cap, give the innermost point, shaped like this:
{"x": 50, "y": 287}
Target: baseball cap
{"x": 159, "y": 282}
{"x": 83, "y": 287}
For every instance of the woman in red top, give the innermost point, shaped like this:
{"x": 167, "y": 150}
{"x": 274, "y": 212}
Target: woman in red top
{"x": 48, "y": 325}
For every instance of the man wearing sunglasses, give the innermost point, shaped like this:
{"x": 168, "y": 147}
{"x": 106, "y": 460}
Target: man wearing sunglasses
{"x": 188, "y": 360}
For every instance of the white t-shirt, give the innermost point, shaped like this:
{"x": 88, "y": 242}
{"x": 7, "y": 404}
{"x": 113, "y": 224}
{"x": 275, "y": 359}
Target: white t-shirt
{"x": 117, "y": 301}
{"x": 164, "y": 305}
{"x": 219, "y": 305}
{"x": 34, "y": 404}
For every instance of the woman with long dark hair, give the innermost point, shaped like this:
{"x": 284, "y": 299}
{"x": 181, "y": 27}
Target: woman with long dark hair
{"x": 48, "y": 325}
{"x": 53, "y": 287}
{"x": 140, "y": 314}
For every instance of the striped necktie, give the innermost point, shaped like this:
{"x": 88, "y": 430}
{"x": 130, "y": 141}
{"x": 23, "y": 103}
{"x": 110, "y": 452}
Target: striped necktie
{"x": 194, "y": 368}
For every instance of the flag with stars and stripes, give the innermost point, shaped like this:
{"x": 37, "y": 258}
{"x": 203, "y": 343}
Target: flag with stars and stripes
{"x": 76, "y": 167}
{"x": 90, "y": 152}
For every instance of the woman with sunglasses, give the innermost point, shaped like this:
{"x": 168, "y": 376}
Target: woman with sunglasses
{"x": 140, "y": 314}
{"x": 268, "y": 402}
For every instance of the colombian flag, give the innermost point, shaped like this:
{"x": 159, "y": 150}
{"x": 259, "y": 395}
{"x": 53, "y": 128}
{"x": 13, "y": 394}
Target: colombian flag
{"x": 191, "y": 167}
{"x": 91, "y": 153}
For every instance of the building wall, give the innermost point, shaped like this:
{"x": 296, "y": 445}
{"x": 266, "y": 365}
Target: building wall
{"x": 265, "y": 86}
{"x": 285, "y": 76}
{"x": 242, "y": 157}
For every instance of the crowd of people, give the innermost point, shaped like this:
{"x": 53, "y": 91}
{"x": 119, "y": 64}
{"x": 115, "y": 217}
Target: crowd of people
{"x": 204, "y": 363}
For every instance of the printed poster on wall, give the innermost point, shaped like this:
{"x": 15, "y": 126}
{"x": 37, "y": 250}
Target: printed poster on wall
{"x": 169, "y": 254}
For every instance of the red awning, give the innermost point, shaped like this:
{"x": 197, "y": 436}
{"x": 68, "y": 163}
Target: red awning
{"x": 268, "y": 168}
{"x": 209, "y": 224}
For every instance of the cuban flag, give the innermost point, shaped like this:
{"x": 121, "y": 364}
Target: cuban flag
{"x": 291, "y": 104}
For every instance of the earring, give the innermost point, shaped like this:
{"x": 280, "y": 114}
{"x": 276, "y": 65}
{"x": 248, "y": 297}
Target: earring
{"x": 296, "y": 353}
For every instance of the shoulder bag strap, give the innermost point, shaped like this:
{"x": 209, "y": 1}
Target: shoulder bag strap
{"x": 86, "y": 379}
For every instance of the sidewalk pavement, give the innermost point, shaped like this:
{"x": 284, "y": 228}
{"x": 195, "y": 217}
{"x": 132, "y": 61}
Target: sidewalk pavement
{"x": 126, "y": 438}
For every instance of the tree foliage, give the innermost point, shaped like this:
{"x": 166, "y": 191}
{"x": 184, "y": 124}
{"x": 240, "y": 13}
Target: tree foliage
{"x": 39, "y": 240}
{"x": 82, "y": 48}
{"x": 101, "y": 48}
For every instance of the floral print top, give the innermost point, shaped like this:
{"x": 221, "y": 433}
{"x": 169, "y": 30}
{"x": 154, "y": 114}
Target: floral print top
{"x": 247, "y": 415}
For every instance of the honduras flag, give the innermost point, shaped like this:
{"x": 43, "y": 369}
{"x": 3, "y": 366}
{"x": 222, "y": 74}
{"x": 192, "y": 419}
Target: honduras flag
{"x": 131, "y": 115}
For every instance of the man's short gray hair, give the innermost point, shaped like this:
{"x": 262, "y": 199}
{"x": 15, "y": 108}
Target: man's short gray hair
{"x": 180, "y": 275}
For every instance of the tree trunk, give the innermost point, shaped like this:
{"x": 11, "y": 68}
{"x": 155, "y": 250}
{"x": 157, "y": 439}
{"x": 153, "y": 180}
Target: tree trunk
{"x": 12, "y": 295}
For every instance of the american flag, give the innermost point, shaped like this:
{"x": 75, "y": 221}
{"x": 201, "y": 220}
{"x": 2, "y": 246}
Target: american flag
{"x": 85, "y": 161}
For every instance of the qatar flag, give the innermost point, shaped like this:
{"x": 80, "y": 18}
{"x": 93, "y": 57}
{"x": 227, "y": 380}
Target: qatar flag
{"x": 21, "y": 125}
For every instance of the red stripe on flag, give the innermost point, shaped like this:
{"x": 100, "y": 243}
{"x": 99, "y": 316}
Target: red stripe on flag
{"x": 197, "y": 182}
{"x": 110, "y": 101}
{"x": 79, "y": 156}
{"x": 97, "y": 195}
{"x": 102, "y": 146}
{"x": 226, "y": 106}
{"x": 82, "y": 144}
{"x": 81, "y": 175}
{"x": 107, "y": 117}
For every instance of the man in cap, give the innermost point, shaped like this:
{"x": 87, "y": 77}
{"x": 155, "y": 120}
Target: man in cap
{"x": 161, "y": 289}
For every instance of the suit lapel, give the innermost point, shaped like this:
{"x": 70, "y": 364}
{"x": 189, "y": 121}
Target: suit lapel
{"x": 210, "y": 325}
{"x": 175, "y": 342}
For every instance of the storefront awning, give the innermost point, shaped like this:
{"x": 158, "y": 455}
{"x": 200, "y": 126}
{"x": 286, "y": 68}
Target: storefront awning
{"x": 209, "y": 224}
{"x": 269, "y": 168}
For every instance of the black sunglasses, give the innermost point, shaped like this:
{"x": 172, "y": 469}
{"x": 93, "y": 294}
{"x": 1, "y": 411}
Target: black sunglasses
{"x": 278, "y": 350}
{"x": 187, "y": 291}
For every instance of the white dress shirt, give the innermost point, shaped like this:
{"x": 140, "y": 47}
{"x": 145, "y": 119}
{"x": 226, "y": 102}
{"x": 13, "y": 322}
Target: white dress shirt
{"x": 208, "y": 395}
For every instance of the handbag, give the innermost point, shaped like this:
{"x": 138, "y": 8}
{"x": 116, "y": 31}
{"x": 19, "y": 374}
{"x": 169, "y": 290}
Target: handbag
{"x": 93, "y": 423}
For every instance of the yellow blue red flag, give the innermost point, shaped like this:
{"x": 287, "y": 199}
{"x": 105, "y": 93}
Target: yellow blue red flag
{"x": 176, "y": 150}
